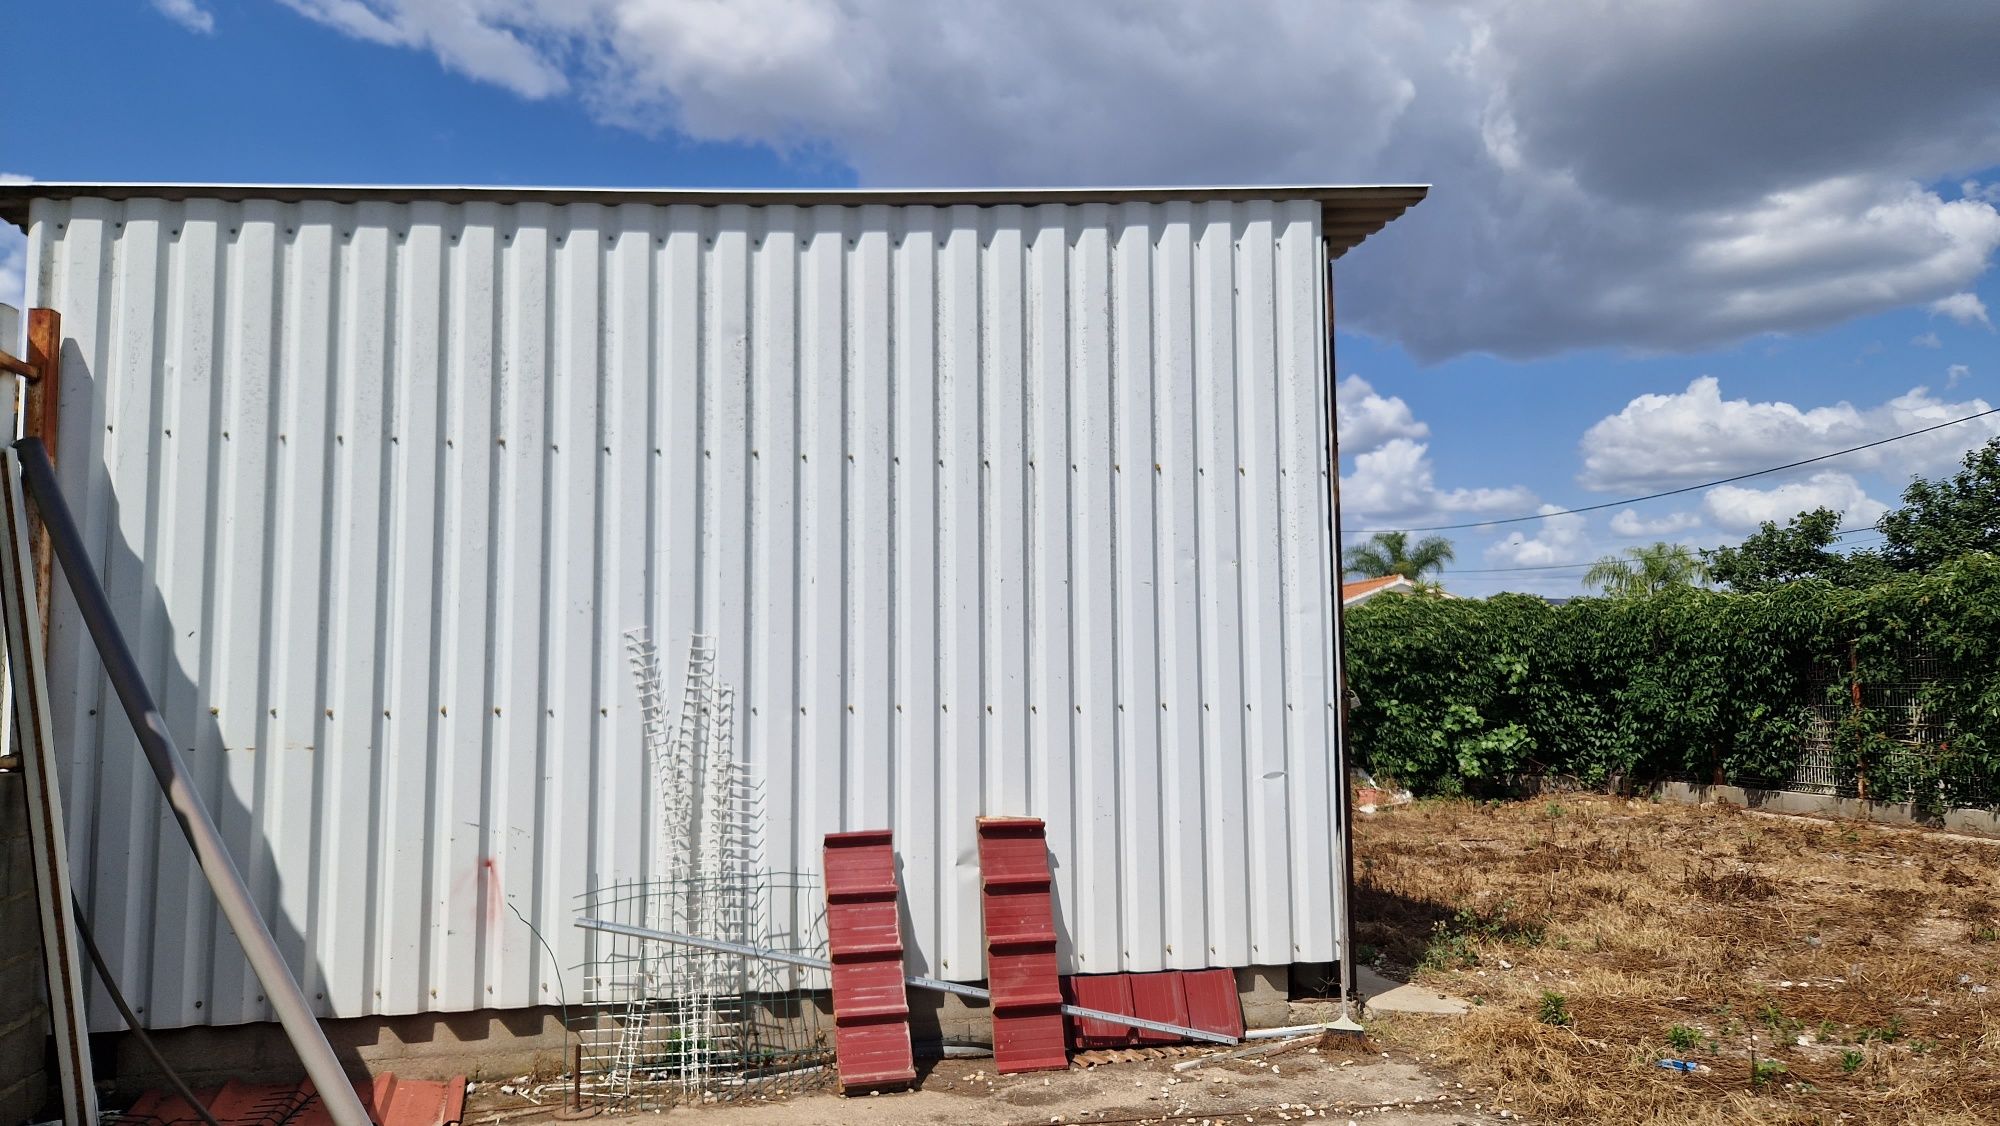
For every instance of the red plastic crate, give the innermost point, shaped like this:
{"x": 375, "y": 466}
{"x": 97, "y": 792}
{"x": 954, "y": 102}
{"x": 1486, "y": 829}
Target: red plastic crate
{"x": 871, "y": 1010}
{"x": 1020, "y": 945}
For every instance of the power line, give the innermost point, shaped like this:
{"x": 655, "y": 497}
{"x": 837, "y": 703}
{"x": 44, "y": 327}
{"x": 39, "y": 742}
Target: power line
{"x": 1674, "y": 492}
{"x": 1525, "y": 567}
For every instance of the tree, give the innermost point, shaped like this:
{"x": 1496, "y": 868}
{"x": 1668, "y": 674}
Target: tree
{"x": 1647, "y": 570}
{"x": 1390, "y": 553}
{"x": 1802, "y": 549}
{"x": 1944, "y": 519}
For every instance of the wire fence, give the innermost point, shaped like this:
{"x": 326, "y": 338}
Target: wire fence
{"x": 1877, "y": 738}
{"x": 666, "y": 1025}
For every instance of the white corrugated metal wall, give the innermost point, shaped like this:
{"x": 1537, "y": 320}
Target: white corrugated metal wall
{"x": 993, "y": 510}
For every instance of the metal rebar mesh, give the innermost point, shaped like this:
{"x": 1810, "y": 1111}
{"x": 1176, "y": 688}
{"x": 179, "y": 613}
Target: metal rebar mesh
{"x": 665, "y": 1025}
{"x": 1916, "y": 761}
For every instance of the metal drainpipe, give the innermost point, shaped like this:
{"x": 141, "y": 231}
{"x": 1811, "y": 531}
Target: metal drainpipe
{"x": 303, "y": 1029}
{"x": 1343, "y": 888}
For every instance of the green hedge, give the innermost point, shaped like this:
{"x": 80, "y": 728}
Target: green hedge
{"x": 1463, "y": 695}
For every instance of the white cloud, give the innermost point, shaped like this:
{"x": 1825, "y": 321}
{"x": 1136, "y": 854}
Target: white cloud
{"x": 1737, "y": 509}
{"x": 1696, "y": 435}
{"x": 1368, "y": 420}
{"x": 1629, "y": 523}
{"x": 1395, "y": 485}
{"x": 1954, "y": 374}
{"x": 188, "y": 14}
{"x": 13, "y": 257}
{"x": 513, "y": 45}
{"x": 1965, "y": 308}
{"x": 1664, "y": 175}
{"x": 1556, "y": 540}
{"x": 1926, "y": 340}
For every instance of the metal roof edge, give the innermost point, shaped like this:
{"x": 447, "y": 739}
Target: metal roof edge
{"x": 1370, "y": 205}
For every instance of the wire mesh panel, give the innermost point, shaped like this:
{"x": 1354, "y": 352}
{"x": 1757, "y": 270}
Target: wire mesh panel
{"x": 1907, "y": 755}
{"x": 664, "y": 1024}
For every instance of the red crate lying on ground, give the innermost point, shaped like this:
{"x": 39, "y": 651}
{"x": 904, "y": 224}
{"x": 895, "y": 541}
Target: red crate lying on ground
{"x": 1020, "y": 945}
{"x": 871, "y": 1012}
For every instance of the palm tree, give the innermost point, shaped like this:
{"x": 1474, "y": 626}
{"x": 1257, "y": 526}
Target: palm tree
{"x": 1390, "y": 553}
{"x": 1647, "y": 570}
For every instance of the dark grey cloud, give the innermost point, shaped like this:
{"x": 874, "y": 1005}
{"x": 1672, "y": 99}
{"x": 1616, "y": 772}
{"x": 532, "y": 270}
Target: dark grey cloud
{"x": 1668, "y": 174}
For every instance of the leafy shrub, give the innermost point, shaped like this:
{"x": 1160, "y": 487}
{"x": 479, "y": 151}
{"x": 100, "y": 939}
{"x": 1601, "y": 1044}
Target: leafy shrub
{"x": 1469, "y": 696}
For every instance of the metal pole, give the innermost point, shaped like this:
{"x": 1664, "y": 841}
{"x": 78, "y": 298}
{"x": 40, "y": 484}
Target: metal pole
{"x": 301, "y": 1027}
{"x": 1343, "y": 884}
{"x": 48, "y": 840}
{"x": 928, "y": 983}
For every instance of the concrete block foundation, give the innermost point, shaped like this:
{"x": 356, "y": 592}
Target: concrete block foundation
{"x": 1981, "y": 821}
{"x": 496, "y": 1044}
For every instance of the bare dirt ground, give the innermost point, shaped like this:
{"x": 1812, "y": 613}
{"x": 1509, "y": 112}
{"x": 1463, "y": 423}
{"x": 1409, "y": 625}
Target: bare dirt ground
{"x": 1341, "y": 1079}
{"x": 1815, "y": 971}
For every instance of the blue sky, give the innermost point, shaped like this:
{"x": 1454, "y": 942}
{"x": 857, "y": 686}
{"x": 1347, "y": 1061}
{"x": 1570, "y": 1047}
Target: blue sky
{"x": 1626, "y": 207}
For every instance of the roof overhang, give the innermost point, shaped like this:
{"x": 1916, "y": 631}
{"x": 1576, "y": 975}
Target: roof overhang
{"x": 1349, "y": 213}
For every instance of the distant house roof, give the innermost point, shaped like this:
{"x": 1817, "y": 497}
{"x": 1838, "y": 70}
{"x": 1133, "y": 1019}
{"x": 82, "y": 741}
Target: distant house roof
{"x": 1362, "y": 590}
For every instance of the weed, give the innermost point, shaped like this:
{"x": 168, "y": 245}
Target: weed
{"x": 1851, "y": 1061}
{"x": 1454, "y": 941}
{"x": 1555, "y": 811}
{"x": 1828, "y": 1032}
{"x": 1887, "y": 1034}
{"x": 1365, "y": 954}
{"x": 1554, "y": 1010}
{"x": 1986, "y": 934}
{"x": 1784, "y": 1029}
{"x": 1763, "y": 1071}
{"x": 1683, "y": 1038}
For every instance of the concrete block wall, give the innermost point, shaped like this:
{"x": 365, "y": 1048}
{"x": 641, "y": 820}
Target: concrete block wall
{"x": 500, "y": 1044}
{"x": 24, "y": 1008}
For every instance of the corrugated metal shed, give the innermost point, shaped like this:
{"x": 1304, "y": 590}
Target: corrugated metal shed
{"x": 995, "y": 508}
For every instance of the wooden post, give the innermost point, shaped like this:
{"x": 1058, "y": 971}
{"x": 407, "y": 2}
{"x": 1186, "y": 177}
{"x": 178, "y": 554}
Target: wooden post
{"x": 41, "y": 408}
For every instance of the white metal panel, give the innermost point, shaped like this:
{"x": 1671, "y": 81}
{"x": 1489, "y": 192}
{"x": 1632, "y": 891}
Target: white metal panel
{"x": 1015, "y": 509}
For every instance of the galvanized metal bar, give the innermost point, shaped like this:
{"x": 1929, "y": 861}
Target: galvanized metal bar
{"x": 48, "y": 845}
{"x": 1343, "y": 796}
{"x": 927, "y": 983}
{"x": 301, "y": 1027}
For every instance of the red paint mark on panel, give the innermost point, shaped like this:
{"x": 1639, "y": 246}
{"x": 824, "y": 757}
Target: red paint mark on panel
{"x": 489, "y": 872}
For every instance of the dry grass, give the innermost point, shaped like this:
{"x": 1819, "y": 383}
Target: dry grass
{"x": 1855, "y": 968}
